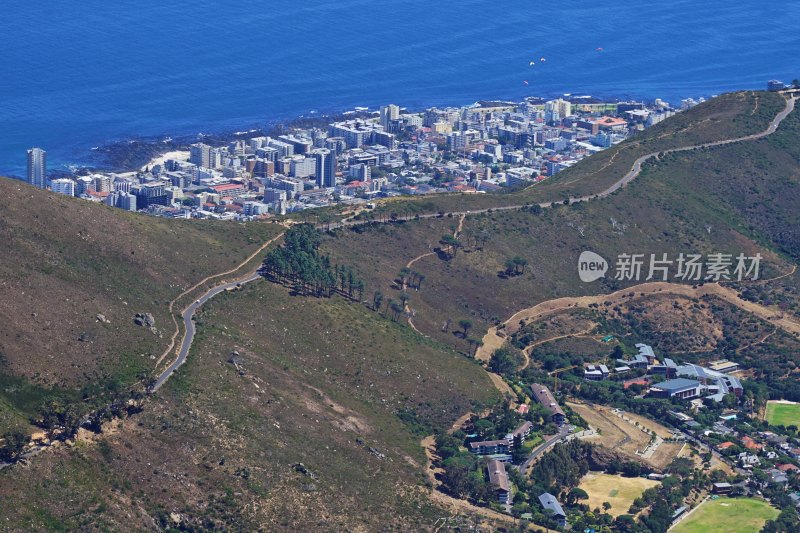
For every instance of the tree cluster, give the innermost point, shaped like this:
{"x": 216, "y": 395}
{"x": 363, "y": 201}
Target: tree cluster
{"x": 410, "y": 278}
{"x": 299, "y": 262}
{"x": 14, "y": 443}
{"x": 505, "y": 361}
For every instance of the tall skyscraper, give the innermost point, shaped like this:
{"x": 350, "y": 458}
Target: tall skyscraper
{"x": 200, "y": 155}
{"x": 557, "y": 109}
{"x": 325, "y": 168}
{"x": 37, "y": 167}
{"x": 388, "y": 114}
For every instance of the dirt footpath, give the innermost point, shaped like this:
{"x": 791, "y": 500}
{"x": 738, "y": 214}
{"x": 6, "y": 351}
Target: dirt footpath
{"x": 495, "y": 337}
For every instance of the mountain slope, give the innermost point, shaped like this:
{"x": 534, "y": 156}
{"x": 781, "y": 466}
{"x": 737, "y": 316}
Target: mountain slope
{"x": 66, "y": 261}
{"x": 317, "y": 423}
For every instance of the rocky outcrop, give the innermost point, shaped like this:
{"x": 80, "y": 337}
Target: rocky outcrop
{"x": 145, "y": 320}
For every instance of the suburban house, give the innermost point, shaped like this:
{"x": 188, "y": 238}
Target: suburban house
{"x": 681, "y": 388}
{"x": 550, "y": 503}
{"x": 776, "y": 476}
{"x": 489, "y": 447}
{"x": 498, "y": 479}
{"x": 543, "y": 395}
{"x": 748, "y": 460}
{"x": 751, "y": 444}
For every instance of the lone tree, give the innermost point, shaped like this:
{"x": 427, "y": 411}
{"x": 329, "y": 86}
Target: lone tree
{"x": 519, "y": 263}
{"x": 474, "y": 345}
{"x": 451, "y": 243}
{"x": 13, "y": 444}
{"x": 515, "y": 266}
{"x": 403, "y": 275}
{"x": 511, "y": 267}
{"x": 465, "y": 325}
{"x": 404, "y": 298}
{"x": 377, "y": 300}
{"x": 396, "y": 308}
{"x": 576, "y": 494}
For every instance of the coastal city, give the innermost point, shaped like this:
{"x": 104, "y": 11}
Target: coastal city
{"x": 479, "y": 148}
{"x": 413, "y": 266}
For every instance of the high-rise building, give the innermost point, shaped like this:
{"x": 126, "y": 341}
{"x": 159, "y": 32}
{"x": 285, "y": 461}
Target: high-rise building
{"x": 264, "y": 168}
{"x": 274, "y": 195}
{"x": 291, "y": 186}
{"x": 102, "y": 183}
{"x": 555, "y": 110}
{"x": 388, "y": 114}
{"x": 63, "y": 186}
{"x": 84, "y": 183}
{"x": 325, "y": 168}
{"x": 37, "y": 167}
{"x": 200, "y": 155}
{"x": 150, "y": 194}
{"x": 361, "y": 172}
{"x": 126, "y": 201}
{"x": 302, "y": 166}
{"x": 336, "y": 145}
{"x": 123, "y": 184}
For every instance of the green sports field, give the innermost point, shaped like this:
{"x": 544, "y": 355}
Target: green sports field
{"x": 783, "y": 413}
{"x": 728, "y": 515}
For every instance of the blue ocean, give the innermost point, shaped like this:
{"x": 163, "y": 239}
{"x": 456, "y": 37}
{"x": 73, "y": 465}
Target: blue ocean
{"x": 80, "y": 74}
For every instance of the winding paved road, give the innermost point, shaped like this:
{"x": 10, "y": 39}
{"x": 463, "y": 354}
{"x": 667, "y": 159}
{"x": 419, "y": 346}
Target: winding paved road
{"x": 541, "y": 449}
{"x": 188, "y": 323}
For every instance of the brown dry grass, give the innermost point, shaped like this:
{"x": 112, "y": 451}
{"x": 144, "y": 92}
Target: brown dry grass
{"x": 67, "y": 260}
{"x": 625, "y": 437}
{"x": 600, "y": 488}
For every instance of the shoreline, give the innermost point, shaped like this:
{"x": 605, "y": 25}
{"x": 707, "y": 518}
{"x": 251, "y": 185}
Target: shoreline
{"x": 135, "y": 153}
{"x": 179, "y": 155}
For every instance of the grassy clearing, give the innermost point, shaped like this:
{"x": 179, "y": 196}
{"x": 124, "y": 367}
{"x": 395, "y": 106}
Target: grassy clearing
{"x": 617, "y": 490}
{"x": 780, "y": 413}
{"x": 732, "y": 515}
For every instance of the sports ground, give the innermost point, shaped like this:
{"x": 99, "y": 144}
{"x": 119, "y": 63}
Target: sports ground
{"x": 731, "y": 515}
{"x": 783, "y": 413}
{"x": 617, "y": 490}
